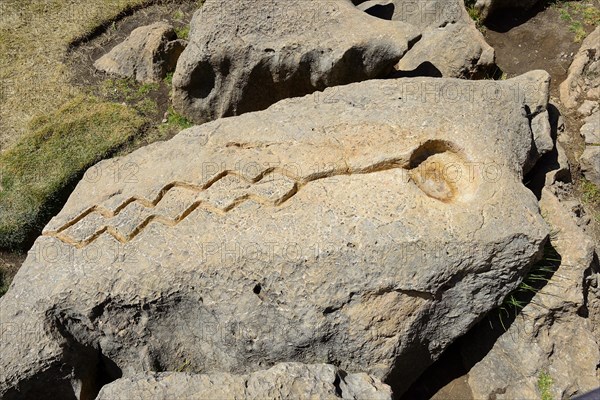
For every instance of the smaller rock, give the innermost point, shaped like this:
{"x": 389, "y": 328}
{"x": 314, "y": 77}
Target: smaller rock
{"x": 562, "y": 173}
{"x": 588, "y": 107}
{"x": 582, "y": 80}
{"x": 450, "y": 46}
{"x": 591, "y": 129}
{"x": 283, "y": 381}
{"x": 590, "y": 164}
{"x": 147, "y": 55}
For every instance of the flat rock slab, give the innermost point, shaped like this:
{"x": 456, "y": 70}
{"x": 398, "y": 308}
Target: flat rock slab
{"x": 283, "y": 381}
{"x": 246, "y": 55}
{"x": 367, "y": 226}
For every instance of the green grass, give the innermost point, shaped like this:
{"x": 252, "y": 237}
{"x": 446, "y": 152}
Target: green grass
{"x": 474, "y": 13}
{"x": 183, "y": 32}
{"x": 169, "y": 79}
{"x": 590, "y": 194}
{"x": 178, "y": 15}
{"x": 126, "y": 89}
{"x": 4, "y": 283}
{"x": 130, "y": 92}
{"x": 578, "y": 15}
{"x": 174, "y": 123}
{"x": 539, "y": 274}
{"x": 57, "y": 149}
{"x": 579, "y": 31}
{"x": 544, "y": 385}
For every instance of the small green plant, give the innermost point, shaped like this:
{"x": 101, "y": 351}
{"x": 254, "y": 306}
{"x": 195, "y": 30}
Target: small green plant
{"x": 183, "y": 366}
{"x": 178, "y": 15}
{"x": 577, "y": 28}
{"x": 173, "y": 124}
{"x": 591, "y": 192}
{"x": 473, "y": 12}
{"x": 3, "y": 283}
{"x": 174, "y": 119}
{"x": 129, "y": 91}
{"x": 183, "y": 32}
{"x": 146, "y": 88}
{"x": 169, "y": 79}
{"x": 539, "y": 274}
{"x": 564, "y": 15}
{"x": 544, "y": 385}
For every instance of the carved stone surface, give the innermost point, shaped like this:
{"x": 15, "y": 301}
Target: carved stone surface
{"x": 283, "y": 381}
{"x": 367, "y": 227}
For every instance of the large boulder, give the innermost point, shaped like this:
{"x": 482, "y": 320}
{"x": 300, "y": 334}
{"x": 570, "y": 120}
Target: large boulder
{"x": 555, "y": 338}
{"x": 246, "y": 55}
{"x": 283, "y": 381}
{"x": 366, "y": 232}
{"x": 450, "y": 46}
{"x": 146, "y": 55}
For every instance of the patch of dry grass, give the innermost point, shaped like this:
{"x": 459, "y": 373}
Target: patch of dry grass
{"x": 49, "y": 130}
{"x": 34, "y": 39}
{"x": 49, "y": 158}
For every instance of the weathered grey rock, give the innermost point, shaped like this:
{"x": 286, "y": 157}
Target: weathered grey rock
{"x": 367, "y": 232}
{"x": 562, "y": 170}
{"x": 591, "y": 129}
{"x": 283, "y": 381}
{"x": 488, "y": 8}
{"x": 583, "y": 79}
{"x": 246, "y": 55}
{"x": 590, "y": 164}
{"x": 588, "y": 107}
{"x": 451, "y": 43}
{"x": 554, "y": 335}
{"x": 147, "y": 55}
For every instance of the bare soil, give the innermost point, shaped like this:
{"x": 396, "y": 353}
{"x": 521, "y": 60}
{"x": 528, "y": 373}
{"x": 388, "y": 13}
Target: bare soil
{"x": 542, "y": 41}
{"x": 81, "y": 58}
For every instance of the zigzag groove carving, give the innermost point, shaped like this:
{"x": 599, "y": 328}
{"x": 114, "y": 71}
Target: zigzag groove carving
{"x": 298, "y": 183}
